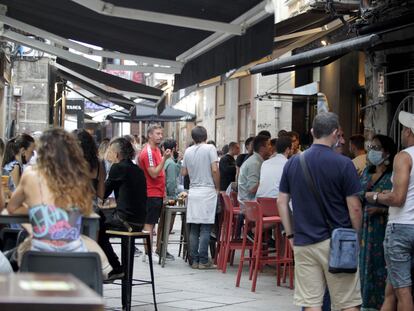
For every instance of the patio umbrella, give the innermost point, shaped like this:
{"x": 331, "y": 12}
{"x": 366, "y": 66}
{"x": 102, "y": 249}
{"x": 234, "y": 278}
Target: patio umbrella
{"x": 149, "y": 114}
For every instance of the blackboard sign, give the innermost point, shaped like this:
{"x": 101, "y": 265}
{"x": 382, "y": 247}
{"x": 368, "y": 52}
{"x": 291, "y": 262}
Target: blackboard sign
{"x": 76, "y": 107}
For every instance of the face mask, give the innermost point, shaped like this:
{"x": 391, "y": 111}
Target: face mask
{"x": 375, "y": 157}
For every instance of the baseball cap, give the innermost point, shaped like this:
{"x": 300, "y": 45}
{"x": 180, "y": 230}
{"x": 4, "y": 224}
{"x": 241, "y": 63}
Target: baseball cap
{"x": 407, "y": 119}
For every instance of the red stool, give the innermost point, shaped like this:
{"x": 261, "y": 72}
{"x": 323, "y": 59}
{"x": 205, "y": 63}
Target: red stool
{"x": 261, "y": 216}
{"x": 229, "y": 240}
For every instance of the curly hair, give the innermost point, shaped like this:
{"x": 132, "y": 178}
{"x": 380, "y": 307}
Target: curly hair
{"x": 90, "y": 151}
{"x": 60, "y": 161}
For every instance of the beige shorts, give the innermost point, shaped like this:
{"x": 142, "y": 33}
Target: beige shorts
{"x": 312, "y": 276}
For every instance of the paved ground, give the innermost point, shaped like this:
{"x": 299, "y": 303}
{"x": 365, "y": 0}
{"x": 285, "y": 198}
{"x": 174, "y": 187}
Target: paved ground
{"x": 179, "y": 288}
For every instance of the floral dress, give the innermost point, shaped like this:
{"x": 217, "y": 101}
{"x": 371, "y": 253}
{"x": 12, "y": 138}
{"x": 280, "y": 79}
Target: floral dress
{"x": 373, "y": 272}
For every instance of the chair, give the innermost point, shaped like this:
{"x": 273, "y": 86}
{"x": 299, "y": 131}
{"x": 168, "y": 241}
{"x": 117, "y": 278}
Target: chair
{"x": 259, "y": 216}
{"x": 9, "y": 238}
{"x": 127, "y": 258}
{"x": 85, "y": 266}
{"x": 229, "y": 239}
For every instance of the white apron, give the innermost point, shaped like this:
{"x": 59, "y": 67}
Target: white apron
{"x": 201, "y": 205}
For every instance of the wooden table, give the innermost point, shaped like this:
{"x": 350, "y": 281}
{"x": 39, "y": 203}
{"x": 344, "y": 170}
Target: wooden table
{"x": 90, "y": 224}
{"x": 46, "y": 292}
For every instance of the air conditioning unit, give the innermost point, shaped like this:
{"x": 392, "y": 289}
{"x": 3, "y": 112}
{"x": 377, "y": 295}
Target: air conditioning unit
{"x": 17, "y": 91}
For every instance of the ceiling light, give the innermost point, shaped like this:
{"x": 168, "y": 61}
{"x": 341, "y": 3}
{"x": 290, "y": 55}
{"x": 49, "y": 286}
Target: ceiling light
{"x": 324, "y": 42}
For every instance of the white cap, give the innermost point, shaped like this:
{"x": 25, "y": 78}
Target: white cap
{"x": 406, "y": 119}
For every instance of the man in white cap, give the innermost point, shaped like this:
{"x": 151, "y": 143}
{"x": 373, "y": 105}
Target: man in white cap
{"x": 399, "y": 235}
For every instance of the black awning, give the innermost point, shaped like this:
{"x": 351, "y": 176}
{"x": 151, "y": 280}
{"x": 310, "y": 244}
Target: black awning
{"x": 305, "y": 21}
{"x": 72, "y": 21}
{"x": 232, "y": 54}
{"x": 316, "y": 55}
{"x": 103, "y": 94}
{"x": 121, "y": 84}
{"x": 148, "y": 114}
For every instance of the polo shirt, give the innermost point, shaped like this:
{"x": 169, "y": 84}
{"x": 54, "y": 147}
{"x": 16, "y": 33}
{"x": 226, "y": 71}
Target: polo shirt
{"x": 335, "y": 177}
{"x": 151, "y": 157}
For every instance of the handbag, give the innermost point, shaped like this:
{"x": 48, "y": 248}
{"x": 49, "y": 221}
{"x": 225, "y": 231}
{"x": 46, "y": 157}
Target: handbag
{"x": 344, "y": 245}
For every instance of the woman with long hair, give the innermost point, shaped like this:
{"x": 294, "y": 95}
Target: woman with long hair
{"x": 375, "y": 178}
{"x": 96, "y": 166}
{"x": 55, "y": 192}
{"x": 19, "y": 151}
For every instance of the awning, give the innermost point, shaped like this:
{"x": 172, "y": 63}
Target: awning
{"x": 124, "y": 86}
{"x": 147, "y": 114}
{"x": 317, "y": 56}
{"x": 100, "y": 92}
{"x": 205, "y": 38}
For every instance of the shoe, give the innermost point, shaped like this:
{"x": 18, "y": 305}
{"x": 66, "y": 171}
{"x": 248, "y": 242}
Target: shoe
{"x": 206, "y": 266}
{"x": 155, "y": 258}
{"x": 194, "y": 265}
{"x": 172, "y": 232}
{"x": 115, "y": 274}
{"x": 168, "y": 257}
{"x": 138, "y": 252}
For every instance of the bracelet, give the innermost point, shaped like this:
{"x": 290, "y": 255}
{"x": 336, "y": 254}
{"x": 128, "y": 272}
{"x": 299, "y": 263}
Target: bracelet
{"x": 290, "y": 236}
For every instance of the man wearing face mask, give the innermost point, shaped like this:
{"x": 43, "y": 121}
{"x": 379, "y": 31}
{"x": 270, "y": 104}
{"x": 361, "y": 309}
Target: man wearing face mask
{"x": 337, "y": 182}
{"x": 399, "y": 235}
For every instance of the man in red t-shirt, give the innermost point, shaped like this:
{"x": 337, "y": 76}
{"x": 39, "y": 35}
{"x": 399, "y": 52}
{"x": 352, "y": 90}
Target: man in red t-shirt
{"x": 152, "y": 163}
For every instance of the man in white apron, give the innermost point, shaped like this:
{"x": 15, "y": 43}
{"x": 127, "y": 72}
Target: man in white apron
{"x": 201, "y": 164}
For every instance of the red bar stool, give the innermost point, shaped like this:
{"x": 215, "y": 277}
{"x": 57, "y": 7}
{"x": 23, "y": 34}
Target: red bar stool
{"x": 261, "y": 216}
{"x": 229, "y": 241}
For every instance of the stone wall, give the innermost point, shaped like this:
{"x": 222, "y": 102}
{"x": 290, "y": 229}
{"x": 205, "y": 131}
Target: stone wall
{"x": 31, "y": 110}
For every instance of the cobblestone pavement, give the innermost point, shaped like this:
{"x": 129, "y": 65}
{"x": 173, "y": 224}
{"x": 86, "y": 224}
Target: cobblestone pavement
{"x": 179, "y": 288}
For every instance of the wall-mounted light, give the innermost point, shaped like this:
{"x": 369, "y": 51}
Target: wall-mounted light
{"x": 324, "y": 42}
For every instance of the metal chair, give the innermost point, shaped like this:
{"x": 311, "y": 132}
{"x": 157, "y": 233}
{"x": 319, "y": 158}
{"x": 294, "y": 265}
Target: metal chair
{"x": 85, "y": 266}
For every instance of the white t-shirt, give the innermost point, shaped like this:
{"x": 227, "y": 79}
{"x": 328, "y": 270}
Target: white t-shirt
{"x": 198, "y": 160}
{"x": 405, "y": 213}
{"x": 270, "y": 175}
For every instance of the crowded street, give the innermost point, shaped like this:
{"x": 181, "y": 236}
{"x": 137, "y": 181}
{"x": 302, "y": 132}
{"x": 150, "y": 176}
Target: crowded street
{"x": 207, "y": 155}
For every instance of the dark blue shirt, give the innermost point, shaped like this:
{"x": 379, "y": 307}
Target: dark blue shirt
{"x": 335, "y": 178}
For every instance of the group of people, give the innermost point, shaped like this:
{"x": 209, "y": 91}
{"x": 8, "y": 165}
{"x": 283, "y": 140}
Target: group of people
{"x": 58, "y": 177}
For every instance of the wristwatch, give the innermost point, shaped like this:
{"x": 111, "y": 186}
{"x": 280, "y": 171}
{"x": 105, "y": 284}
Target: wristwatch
{"x": 290, "y": 236}
{"x": 375, "y": 197}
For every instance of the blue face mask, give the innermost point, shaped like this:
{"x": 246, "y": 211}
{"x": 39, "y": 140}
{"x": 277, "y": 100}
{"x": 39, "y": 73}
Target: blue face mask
{"x": 375, "y": 157}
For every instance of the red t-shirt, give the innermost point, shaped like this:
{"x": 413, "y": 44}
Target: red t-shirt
{"x": 151, "y": 157}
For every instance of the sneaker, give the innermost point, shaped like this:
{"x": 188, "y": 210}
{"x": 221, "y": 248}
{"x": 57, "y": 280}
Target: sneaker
{"x": 115, "y": 274}
{"x": 194, "y": 265}
{"x": 138, "y": 252}
{"x": 206, "y": 266}
{"x": 168, "y": 257}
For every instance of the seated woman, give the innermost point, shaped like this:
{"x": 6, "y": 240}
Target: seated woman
{"x": 56, "y": 192}
{"x": 19, "y": 151}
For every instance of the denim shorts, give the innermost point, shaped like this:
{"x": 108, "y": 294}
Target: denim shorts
{"x": 398, "y": 249}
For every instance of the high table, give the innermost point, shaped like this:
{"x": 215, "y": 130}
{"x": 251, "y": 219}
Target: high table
{"x": 46, "y": 292}
{"x": 168, "y": 211}
{"x": 90, "y": 224}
